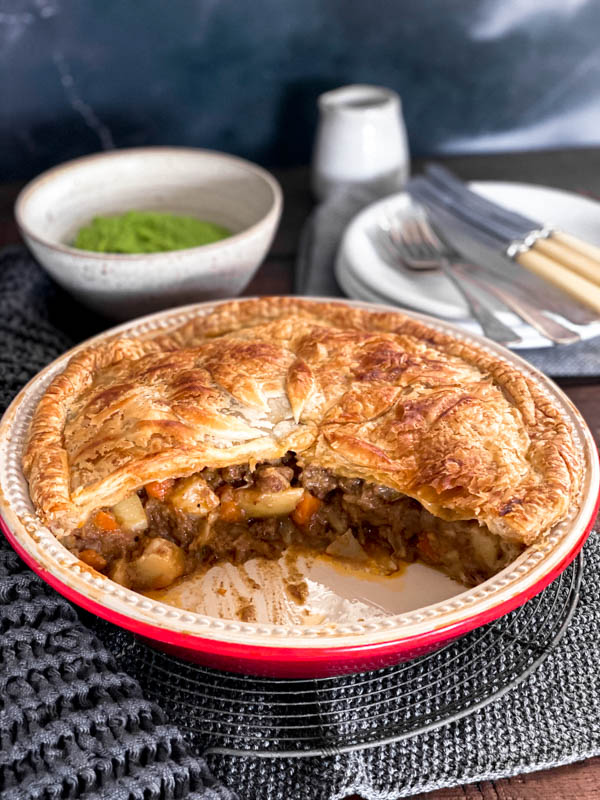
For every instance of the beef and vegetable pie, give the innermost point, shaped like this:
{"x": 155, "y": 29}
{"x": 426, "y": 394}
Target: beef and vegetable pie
{"x": 279, "y": 423}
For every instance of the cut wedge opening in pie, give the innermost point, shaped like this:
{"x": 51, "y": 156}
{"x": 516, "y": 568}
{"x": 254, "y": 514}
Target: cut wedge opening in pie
{"x": 274, "y": 424}
{"x": 174, "y": 527}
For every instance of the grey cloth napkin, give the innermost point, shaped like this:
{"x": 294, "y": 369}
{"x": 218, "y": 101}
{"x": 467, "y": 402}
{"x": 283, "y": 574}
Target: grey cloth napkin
{"x": 319, "y": 243}
{"x": 320, "y": 239}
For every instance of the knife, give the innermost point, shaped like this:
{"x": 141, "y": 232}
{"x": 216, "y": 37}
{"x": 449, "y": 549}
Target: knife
{"x": 521, "y": 226}
{"x": 498, "y": 234}
{"x": 495, "y": 263}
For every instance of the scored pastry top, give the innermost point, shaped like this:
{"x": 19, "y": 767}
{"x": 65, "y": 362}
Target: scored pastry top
{"x": 380, "y": 396}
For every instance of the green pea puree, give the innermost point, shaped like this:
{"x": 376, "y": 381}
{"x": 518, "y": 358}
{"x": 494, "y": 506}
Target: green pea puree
{"x": 147, "y": 232}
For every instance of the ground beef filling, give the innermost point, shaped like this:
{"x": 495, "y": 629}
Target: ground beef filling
{"x": 233, "y": 514}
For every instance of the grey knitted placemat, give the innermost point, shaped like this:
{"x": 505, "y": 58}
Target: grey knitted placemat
{"x": 315, "y": 276}
{"x": 74, "y": 724}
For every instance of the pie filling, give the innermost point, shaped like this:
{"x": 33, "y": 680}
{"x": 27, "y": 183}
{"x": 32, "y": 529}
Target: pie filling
{"x": 175, "y": 527}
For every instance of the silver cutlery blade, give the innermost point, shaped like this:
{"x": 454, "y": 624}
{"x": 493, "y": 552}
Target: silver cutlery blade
{"x": 488, "y": 254}
{"x": 421, "y": 191}
{"x": 505, "y": 234}
{"x": 518, "y": 223}
{"x": 523, "y": 306}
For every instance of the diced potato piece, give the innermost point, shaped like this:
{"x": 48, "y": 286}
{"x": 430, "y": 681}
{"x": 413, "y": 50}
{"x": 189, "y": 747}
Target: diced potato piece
{"x": 278, "y": 504}
{"x": 194, "y": 496}
{"x": 485, "y": 545}
{"x": 160, "y": 564}
{"x": 337, "y": 519}
{"x": 204, "y": 531}
{"x": 119, "y": 572}
{"x": 347, "y": 546}
{"x": 130, "y": 514}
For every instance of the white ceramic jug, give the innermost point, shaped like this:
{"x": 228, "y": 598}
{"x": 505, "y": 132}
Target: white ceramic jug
{"x": 361, "y": 139}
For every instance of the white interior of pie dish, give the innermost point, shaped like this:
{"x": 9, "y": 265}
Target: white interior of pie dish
{"x": 344, "y": 607}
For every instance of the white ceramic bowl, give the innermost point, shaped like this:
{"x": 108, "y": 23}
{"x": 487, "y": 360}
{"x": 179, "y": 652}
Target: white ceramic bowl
{"x": 209, "y": 185}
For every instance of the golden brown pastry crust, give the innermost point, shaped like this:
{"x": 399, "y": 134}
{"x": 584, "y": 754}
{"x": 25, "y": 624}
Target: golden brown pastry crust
{"x": 379, "y": 396}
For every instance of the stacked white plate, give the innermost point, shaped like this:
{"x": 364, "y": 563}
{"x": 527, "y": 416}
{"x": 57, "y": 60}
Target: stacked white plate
{"x": 364, "y": 273}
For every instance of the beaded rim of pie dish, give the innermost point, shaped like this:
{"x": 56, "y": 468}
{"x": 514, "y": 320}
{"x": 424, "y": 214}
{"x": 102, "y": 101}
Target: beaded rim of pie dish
{"x": 516, "y": 579}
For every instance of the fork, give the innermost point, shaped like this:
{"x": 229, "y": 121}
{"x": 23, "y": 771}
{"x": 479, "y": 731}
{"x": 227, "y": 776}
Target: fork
{"x": 419, "y": 248}
{"x": 408, "y": 243}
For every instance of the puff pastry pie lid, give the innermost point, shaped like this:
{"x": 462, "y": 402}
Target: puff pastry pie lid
{"x": 379, "y": 396}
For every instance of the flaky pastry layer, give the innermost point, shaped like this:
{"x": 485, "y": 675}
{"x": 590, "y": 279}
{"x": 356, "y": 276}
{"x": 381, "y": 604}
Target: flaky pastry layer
{"x": 379, "y": 396}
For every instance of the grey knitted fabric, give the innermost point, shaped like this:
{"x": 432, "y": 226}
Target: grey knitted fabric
{"x": 551, "y": 718}
{"x": 72, "y": 725}
{"x": 74, "y": 720}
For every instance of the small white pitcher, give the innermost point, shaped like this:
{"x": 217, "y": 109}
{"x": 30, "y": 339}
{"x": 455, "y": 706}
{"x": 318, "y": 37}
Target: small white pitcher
{"x": 361, "y": 140}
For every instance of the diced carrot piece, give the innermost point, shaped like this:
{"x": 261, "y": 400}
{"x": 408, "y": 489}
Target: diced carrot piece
{"x": 425, "y": 548}
{"x": 229, "y": 508}
{"x": 306, "y": 509}
{"x": 159, "y": 489}
{"x": 93, "y": 559}
{"x": 105, "y": 521}
{"x": 225, "y": 492}
{"x": 230, "y": 511}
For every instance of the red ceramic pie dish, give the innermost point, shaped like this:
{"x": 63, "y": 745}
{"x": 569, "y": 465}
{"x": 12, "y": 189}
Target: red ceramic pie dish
{"x": 328, "y": 647}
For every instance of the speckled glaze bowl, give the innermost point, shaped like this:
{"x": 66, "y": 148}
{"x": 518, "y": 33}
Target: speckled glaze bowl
{"x": 209, "y": 185}
{"x": 349, "y": 622}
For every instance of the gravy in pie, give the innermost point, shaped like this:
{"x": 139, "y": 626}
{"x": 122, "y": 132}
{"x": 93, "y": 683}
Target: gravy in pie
{"x": 238, "y": 513}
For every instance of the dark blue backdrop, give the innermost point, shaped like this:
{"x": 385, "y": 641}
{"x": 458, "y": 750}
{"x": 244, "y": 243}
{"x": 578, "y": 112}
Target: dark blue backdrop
{"x": 81, "y": 75}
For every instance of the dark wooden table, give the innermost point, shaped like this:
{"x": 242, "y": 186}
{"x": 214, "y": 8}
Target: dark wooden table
{"x": 576, "y": 170}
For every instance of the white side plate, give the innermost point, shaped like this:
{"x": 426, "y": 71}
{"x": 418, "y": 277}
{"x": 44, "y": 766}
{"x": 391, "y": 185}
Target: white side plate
{"x": 364, "y": 275}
